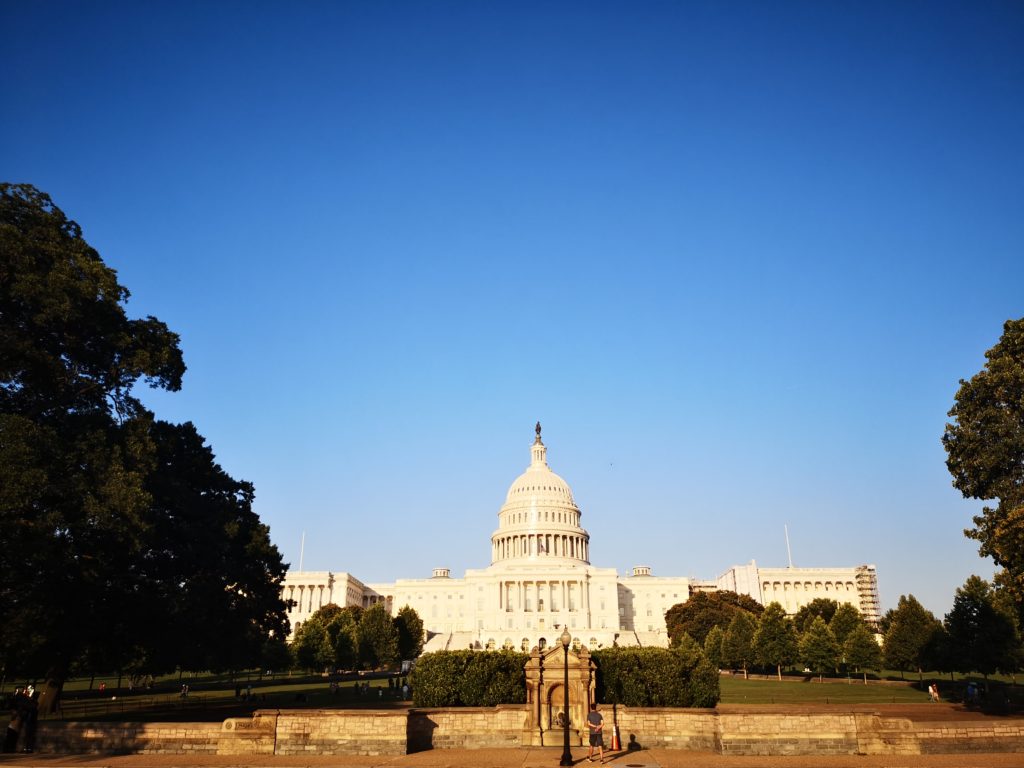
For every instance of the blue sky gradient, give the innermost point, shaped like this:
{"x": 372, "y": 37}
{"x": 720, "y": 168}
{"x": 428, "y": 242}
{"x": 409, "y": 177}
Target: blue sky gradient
{"x": 734, "y": 256}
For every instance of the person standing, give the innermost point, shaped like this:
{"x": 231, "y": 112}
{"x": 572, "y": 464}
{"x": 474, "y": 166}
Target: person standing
{"x": 595, "y": 723}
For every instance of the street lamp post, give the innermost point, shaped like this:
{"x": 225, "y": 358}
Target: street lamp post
{"x": 566, "y": 638}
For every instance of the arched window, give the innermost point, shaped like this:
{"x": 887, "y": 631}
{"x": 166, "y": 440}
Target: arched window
{"x": 542, "y": 643}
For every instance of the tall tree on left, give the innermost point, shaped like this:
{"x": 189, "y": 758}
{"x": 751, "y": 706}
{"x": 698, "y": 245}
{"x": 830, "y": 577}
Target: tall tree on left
{"x": 98, "y": 532}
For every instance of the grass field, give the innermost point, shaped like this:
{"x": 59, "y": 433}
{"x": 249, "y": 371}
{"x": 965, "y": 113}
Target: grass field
{"x": 213, "y": 698}
{"x": 736, "y": 690}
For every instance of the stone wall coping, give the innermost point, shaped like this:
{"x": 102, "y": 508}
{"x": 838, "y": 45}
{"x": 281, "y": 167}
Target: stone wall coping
{"x": 330, "y": 712}
{"x": 498, "y": 708}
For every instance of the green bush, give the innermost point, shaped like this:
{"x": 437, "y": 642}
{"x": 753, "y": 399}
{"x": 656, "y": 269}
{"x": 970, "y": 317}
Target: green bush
{"x": 704, "y": 685}
{"x": 656, "y": 677}
{"x": 469, "y": 679}
{"x": 636, "y": 677}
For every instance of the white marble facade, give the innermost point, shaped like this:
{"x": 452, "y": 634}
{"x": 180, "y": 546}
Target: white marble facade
{"x": 540, "y": 579}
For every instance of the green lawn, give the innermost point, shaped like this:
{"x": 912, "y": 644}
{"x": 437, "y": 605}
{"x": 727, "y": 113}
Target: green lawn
{"x": 736, "y": 690}
{"x": 212, "y": 697}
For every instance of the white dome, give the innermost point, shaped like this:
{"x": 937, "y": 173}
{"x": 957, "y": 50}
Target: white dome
{"x": 539, "y": 518}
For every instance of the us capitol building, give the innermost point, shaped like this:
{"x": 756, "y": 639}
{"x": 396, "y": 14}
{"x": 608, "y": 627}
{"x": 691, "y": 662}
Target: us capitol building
{"x": 540, "y": 579}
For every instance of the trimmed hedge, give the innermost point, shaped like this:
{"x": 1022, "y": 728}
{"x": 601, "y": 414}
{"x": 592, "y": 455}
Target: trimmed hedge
{"x": 636, "y": 677}
{"x": 656, "y": 677}
{"x": 469, "y": 679}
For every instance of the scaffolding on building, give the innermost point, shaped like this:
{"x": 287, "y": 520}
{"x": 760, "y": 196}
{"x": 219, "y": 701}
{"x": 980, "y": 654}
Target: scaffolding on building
{"x": 867, "y": 591}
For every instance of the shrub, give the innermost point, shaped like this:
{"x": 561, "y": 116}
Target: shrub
{"x": 469, "y": 679}
{"x": 656, "y": 677}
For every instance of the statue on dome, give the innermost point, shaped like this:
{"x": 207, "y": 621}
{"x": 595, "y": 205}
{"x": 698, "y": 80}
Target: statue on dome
{"x": 537, "y": 430}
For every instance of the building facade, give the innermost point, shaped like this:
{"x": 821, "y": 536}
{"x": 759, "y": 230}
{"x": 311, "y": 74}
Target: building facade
{"x": 540, "y": 580}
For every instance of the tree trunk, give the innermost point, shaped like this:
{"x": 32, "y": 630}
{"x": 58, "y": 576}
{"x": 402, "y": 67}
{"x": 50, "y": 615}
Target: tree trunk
{"x": 865, "y": 677}
{"x": 778, "y": 669}
{"x": 49, "y": 697}
{"x": 745, "y": 671}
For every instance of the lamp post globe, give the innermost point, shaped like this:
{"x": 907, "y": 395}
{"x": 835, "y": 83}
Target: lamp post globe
{"x": 566, "y": 638}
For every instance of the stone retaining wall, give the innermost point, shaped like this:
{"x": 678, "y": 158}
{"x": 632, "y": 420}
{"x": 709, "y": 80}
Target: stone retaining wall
{"x": 129, "y": 738}
{"x": 341, "y": 732}
{"x": 639, "y": 728}
{"x": 466, "y": 727}
{"x": 764, "y": 731}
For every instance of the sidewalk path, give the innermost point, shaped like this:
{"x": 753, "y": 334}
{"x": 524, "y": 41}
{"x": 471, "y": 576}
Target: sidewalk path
{"x": 511, "y": 758}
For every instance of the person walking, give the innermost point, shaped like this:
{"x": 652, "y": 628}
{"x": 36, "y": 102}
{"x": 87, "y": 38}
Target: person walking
{"x": 595, "y": 722}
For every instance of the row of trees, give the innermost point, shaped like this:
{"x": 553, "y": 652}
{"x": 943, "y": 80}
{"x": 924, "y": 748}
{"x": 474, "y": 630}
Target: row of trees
{"x": 979, "y": 634}
{"x": 354, "y": 638}
{"x": 125, "y": 546}
{"x": 736, "y": 631}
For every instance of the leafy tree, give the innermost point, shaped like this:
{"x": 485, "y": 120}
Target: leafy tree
{"x": 210, "y": 565}
{"x": 818, "y": 648}
{"x": 982, "y": 638}
{"x": 775, "y": 641}
{"x": 985, "y": 453}
{"x": 329, "y": 639}
{"x": 819, "y": 606}
{"x": 861, "y": 651}
{"x": 275, "y": 655}
{"x": 705, "y": 610}
{"x": 738, "y": 644}
{"x": 378, "y": 638}
{"x": 845, "y": 619}
{"x": 713, "y": 647}
{"x": 311, "y": 645}
{"x": 911, "y": 629}
{"x": 103, "y": 559}
{"x": 342, "y": 630}
{"x": 410, "y": 633}
{"x": 938, "y": 652}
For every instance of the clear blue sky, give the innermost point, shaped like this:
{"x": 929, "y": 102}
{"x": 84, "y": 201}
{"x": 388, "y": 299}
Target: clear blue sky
{"x": 734, "y": 256}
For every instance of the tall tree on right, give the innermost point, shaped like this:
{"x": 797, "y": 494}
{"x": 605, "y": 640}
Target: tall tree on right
{"x": 982, "y": 638}
{"x": 985, "y": 454}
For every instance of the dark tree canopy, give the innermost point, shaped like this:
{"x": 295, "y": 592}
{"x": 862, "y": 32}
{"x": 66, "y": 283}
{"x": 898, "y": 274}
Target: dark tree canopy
{"x": 705, "y": 610}
{"x": 124, "y": 545}
{"x": 819, "y": 606}
{"x": 982, "y": 637}
{"x": 410, "y": 633}
{"x": 985, "y": 453}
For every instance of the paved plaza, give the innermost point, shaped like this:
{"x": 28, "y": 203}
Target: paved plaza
{"x": 512, "y": 758}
